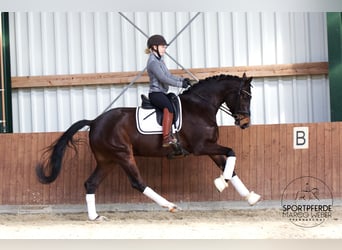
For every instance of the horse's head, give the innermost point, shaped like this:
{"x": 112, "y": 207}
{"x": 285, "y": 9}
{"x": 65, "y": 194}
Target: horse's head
{"x": 234, "y": 91}
{"x": 239, "y": 102}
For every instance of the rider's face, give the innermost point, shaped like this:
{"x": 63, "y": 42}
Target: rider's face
{"x": 162, "y": 49}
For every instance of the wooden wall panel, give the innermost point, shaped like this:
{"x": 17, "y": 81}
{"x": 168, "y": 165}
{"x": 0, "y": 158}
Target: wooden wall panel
{"x": 335, "y": 155}
{"x": 3, "y": 163}
{"x": 296, "y": 69}
{"x": 266, "y": 163}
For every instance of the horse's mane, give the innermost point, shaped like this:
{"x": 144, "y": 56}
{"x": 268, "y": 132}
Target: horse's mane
{"x": 220, "y": 77}
{"x": 207, "y": 80}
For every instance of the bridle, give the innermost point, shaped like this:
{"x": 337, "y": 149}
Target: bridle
{"x": 236, "y": 113}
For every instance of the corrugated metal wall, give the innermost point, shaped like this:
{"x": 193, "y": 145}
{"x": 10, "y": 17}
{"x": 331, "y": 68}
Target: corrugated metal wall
{"x": 49, "y": 43}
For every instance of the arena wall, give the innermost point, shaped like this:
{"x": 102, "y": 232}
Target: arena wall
{"x": 266, "y": 162}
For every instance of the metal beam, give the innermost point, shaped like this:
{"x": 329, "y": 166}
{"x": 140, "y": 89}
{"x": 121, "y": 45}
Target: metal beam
{"x": 141, "y": 72}
{"x": 125, "y": 89}
{"x": 172, "y": 40}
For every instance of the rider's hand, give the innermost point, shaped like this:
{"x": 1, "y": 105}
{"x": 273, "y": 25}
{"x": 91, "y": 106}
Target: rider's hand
{"x": 186, "y": 83}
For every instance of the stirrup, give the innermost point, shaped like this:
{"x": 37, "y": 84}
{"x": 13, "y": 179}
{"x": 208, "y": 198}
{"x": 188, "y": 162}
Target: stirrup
{"x": 177, "y": 152}
{"x": 168, "y": 141}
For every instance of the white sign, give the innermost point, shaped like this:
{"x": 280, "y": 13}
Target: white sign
{"x": 300, "y": 137}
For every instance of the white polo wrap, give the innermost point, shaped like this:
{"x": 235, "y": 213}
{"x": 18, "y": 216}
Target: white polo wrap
{"x": 90, "y": 198}
{"x": 229, "y": 167}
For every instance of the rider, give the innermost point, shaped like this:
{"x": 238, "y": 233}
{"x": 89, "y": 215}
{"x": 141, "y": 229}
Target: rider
{"x": 160, "y": 79}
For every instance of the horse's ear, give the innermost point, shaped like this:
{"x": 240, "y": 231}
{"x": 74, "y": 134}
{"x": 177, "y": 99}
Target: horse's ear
{"x": 246, "y": 79}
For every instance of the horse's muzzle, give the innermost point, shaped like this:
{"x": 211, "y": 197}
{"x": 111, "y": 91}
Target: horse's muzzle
{"x": 242, "y": 121}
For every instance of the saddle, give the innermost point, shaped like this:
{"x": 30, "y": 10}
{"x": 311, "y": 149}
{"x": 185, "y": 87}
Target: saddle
{"x": 146, "y": 104}
{"x": 149, "y": 118}
{"x": 149, "y": 121}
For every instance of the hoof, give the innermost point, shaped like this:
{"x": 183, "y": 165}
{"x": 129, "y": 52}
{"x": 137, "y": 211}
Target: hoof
{"x": 253, "y": 198}
{"x": 220, "y": 183}
{"x": 174, "y": 208}
{"x": 101, "y": 218}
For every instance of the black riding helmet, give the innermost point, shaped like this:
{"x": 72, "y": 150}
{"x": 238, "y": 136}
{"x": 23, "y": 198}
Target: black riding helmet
{"x": 156, "y": 40}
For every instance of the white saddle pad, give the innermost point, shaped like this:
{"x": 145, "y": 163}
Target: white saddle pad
{"x": 147, "y": 122}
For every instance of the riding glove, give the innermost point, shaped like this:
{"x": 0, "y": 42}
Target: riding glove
{"x": 186, "y": 83}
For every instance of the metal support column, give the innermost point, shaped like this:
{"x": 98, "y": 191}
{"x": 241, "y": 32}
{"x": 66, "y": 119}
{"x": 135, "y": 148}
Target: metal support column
{"x": 5, "y": 75}
{"x": 334, "y": 21}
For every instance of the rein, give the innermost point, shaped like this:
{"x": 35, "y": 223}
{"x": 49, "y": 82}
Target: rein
{"x": 224, "y": 108}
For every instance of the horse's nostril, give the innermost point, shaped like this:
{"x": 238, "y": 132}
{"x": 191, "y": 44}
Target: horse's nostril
{"x": 246, "y": 125}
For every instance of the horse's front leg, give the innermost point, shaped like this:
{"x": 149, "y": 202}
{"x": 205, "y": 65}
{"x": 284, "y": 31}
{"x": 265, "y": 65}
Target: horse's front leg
{"x": 227, "y": 165}
{"x": 131, "y": 169}
{"x": 161, "y": 201}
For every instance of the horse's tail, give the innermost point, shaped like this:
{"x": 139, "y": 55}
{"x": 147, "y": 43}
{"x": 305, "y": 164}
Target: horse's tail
{"x": 53, "y": 164}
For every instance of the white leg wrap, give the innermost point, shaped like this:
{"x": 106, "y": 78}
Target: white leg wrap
{"x": 161, "y": 201}
{"x": 239, "y": 186}
{"x": 251, "y": 197}
{"x": 229, "y": 167}
{"x": 90, "y": 198}
{"x": 220, "y": 182}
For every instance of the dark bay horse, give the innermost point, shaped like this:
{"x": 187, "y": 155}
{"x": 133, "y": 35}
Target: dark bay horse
{"x": 115, "y": 140}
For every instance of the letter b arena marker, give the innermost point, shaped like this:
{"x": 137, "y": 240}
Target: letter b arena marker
{"x": 300, "y": 137}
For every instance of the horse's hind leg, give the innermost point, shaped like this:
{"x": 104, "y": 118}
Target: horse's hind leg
{"x": 92, "y": 184}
